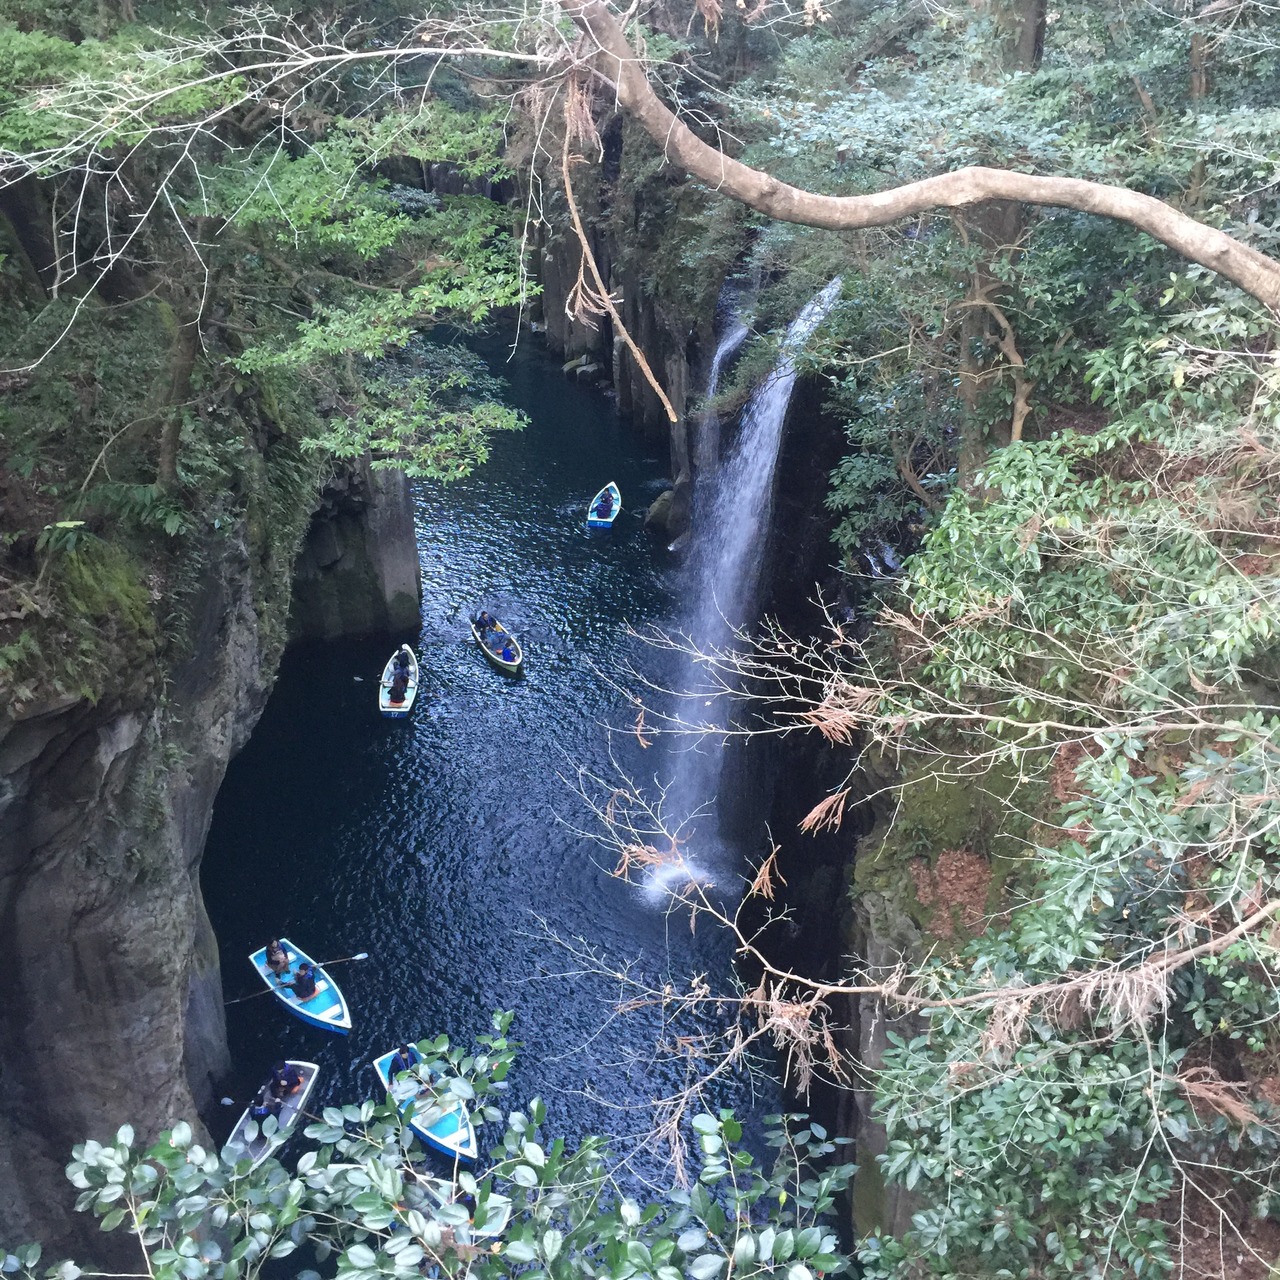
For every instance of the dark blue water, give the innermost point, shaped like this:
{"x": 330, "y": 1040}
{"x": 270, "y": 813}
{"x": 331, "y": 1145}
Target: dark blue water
{"x": 443, "y": 845}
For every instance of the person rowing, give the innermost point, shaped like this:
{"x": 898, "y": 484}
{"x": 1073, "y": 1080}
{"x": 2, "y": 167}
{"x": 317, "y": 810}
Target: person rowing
{"x": 304, "y": 985}
{"x": 399, "y": 685}
{"x": 285, "y": 1079}
{"x": 404, "y": 1059}
{"x": 264, "y": 1104}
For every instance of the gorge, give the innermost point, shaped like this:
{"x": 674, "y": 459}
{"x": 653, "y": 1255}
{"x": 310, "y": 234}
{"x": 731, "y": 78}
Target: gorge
{"x": 1007, "y": 812}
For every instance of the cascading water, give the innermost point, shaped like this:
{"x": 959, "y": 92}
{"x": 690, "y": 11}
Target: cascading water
{"x": 729, "y": 538}
{"x": 708, "y": 442}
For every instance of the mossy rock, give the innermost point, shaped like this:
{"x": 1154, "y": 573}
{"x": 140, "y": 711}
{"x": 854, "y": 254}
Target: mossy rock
{"x": 986, "y": 815}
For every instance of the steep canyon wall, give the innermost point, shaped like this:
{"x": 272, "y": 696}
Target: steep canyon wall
{"x": 111, "y": 998}
{"x": 664, "y": 247}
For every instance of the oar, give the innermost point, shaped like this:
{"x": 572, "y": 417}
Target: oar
{"x": 318, "y": 964}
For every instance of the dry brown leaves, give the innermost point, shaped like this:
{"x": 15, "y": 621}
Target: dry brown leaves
{"x": 799, "y": 1025}
{"x": 844, "y": 710}
{"x": 955, "y": 889}
{"x": 711, "y": 11}
{"x": 767, "y": 876}
{"x": 1206, "y": 1090}
{"x": 826, "y": 815}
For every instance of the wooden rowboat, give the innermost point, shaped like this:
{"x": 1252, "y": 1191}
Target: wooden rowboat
{"x": 493, "y": 641}
{"x": 326, "y": 1008}
{"x": 613, "y": 495}
{"x": 249, "y": 1142}
{"x": 438, "y": 1117}
{"x": 398, "y": 710}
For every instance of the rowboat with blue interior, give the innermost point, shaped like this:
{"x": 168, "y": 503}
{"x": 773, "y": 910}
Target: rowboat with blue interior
{"x": 497, "y": 642}
{"x": 325, "y": 1008}
{"x": 438, "y": 1117}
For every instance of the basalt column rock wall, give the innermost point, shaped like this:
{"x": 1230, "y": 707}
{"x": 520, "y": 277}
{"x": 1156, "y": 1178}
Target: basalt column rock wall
{"x": 664, "y": 246}
{"x": 358, "y": 571}
{"x": 843, "y": 916}
{"x": 111, "y": 1001}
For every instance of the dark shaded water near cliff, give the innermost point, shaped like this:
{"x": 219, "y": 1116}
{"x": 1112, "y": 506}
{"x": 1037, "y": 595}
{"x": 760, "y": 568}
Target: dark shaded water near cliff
{"x": 434, "y": 844}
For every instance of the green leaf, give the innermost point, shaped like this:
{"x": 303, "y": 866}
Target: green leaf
{"x": 706, "y": 1266}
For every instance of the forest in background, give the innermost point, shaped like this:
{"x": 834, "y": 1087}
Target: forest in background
{"x": 1067, "y": 427}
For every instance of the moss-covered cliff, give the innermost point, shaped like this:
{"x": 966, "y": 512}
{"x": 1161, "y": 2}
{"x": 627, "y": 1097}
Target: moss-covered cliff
{"x": 111, "y": 1004}
{"x": 141, "y": 623}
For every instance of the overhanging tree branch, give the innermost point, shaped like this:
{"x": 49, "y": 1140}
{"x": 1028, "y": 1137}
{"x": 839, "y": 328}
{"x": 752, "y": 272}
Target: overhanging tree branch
{"x": 1254, "y": 272}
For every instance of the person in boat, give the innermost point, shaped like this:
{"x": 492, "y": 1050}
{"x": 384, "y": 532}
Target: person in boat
{"x": 277, "y": 958}
{"x": 285, "y": 1079}
{"x": 405, "y": 1058}
{"x": 507, "y": 655}
{"x": 304, "y": 984}
{"x": 399, "y": 685}
{"x": 484, "y": 622}
{"x": 605, "y": 505}
{"x": 402, "y": 659}
{"x": 264, "y": 1104}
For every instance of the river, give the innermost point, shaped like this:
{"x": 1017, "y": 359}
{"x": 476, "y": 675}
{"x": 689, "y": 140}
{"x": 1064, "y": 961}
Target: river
{"x": 439, "y": 844}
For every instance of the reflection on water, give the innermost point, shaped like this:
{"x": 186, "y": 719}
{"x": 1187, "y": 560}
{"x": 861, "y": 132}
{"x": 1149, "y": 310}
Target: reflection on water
{"x": 435, "y": 843}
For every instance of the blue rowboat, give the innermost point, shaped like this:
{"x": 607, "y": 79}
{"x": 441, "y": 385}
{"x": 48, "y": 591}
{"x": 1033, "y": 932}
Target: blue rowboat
{"x": 326, "y": 1008}
{"x": 604, "y": 507}
{"x": 436, "y": 1116}
{"x": 398, "y": 710}
{"x": 249, "y": 1142}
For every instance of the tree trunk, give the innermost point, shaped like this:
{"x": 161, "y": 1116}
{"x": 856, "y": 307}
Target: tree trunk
{"x": 23, "y": 206}
{"x": 1027, "y": 46}
{"x": 186, "y": 347}
{"x": 995, "y": 229}
{"x": 1199, "y": 87}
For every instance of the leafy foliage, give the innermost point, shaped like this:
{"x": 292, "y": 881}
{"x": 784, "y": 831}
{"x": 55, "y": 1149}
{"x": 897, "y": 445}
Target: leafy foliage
{"x": 195, "y": 297}
{"x": 364, "y": 1199}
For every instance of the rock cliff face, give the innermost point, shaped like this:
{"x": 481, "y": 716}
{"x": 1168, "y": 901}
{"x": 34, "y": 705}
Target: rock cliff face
{"x": 110, "y": 994}
{"x": 111, "y": 1005}
{"x": 358, "y": 570}
{"x": 640, "y": 220}
{"x": 849, "y": 891}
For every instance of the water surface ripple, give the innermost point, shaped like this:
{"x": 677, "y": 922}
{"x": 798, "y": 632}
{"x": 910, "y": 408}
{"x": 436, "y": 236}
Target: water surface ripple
{"x": 433, "y": 843}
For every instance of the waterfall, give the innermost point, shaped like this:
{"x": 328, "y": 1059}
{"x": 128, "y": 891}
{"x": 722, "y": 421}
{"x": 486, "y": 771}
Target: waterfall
{"x": 733, "y": 338}
{"x": 707, "y": 426}
{"x": 730, "y": 544}
{"x": 731, "y": 531}
{"x": 708, "y": 441}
